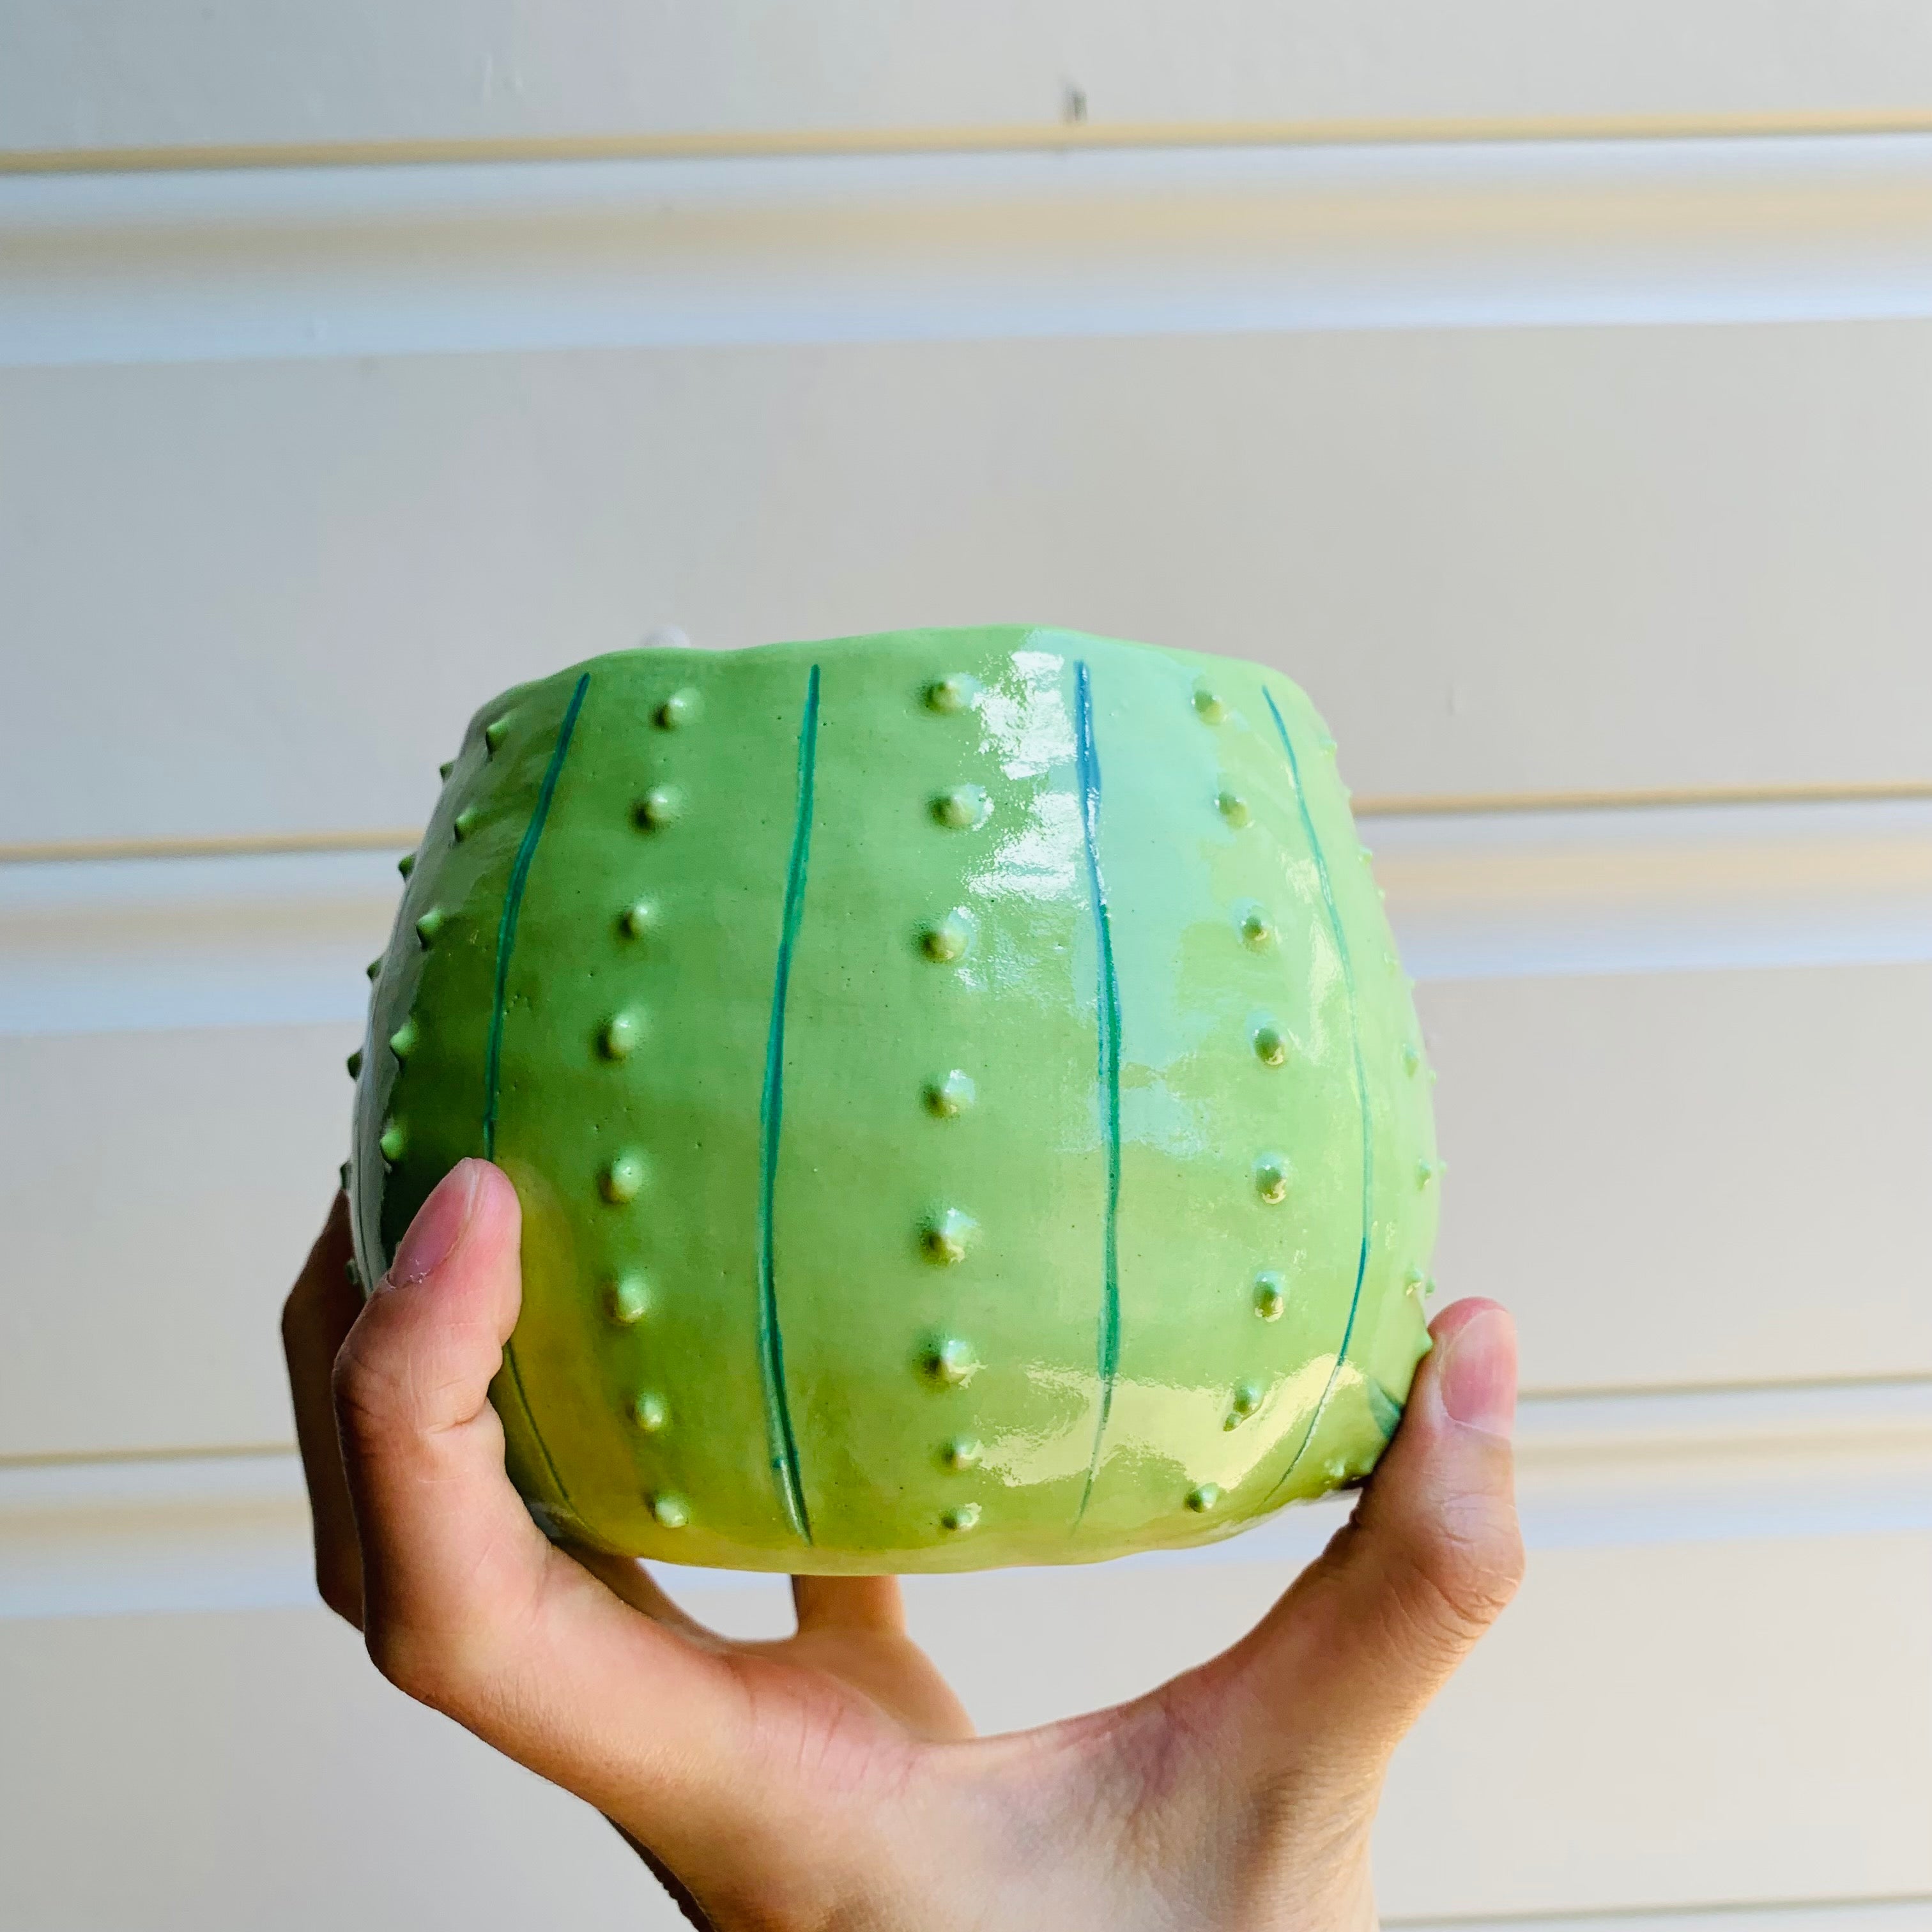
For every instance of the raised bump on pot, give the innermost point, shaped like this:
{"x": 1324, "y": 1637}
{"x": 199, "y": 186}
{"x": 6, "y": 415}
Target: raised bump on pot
{"x": 947, "y": 1235}
{"x": 1234, "y": 808}
{"x": 403, "y": 1041}
{"x": 951, "y": 1095}
{"x": 965, "y": 807}
{"x": 1243, "y": 1403}
{"x": 355, "y": 1066}
{"x": 956, "y": 691}
{"x": 1273, "y": 1173}
{"x": 672, "y": 1512}
{"x": 650, "y": 1412}
{"x": 494, "y": 732}
{"x": 681, "y": 708}
{"x": 620, "y": 1034}
{"x": 1270, "y": 1295}
{"x": 466, "y": 822}
{"x": 951, "y": 1362}
{"x": 949, "y": 938}
{"x": 622, "y": 1177}
{"x": 431, "y": 924}
{"x": 407, "y": 864}
{"x": 1209, "y": 704}
{"x": 627, "y": 1298}
{"x": 638, "y": 919}
{"x": 960, "y": 1516}
{"x": 1203, "y": 1497}
{"x": 1256, "y": 928}
{"x": 663, "y": 805}
{"x": 1271, "y": 1048}
{"x": 395, "y": 1139}
{"x": 963, "y": 1452}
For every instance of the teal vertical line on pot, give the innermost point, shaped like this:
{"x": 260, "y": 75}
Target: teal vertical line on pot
{"x": 1361, "y": 1077}
{"x": 1107, "y": 1014}
{"x": 506, "y": 945}
{"x": 513, "y": 906}
{"x": 782, "y": 1441}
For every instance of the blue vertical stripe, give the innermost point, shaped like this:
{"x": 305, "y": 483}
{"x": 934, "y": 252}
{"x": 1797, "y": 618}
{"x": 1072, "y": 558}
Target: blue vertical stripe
{"x": 506, "y": 946}
{"x": 1361, "y": 1077}
{"x": 513, "y": 906}
{"x": 781, "y": 1441}
{"x": 1107, "y": 1005}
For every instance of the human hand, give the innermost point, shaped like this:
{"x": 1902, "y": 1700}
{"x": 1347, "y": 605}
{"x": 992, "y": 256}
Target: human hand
{"x": 831, "y": 1780}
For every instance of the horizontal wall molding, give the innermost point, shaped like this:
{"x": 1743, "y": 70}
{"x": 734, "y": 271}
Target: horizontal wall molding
{"x": 1504, "y": 895}
{"x": 102, "y": 1538}
{"x": 107, "y": 1536}
{"x": 1826, "y": 1914}
{"x": 137, "y": 945}
{"x": 169, "y": 75}
{"x": 1488, "y": 804}
{"x": 1027, "y": 137}
{"x": 258, "y": 938}
{"x": 144, "y": 267}
{"x": 237, "y": 845}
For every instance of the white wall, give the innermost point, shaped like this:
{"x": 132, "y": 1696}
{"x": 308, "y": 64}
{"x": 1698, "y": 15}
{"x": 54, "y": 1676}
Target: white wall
{"x": 1549, "y": 390}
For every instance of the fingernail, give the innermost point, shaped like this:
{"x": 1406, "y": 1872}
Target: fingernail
{"x": 1478, "y": 1374}
{"x": 438, "y": 1226}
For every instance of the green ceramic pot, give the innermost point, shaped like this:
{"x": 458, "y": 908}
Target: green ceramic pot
{"x": 965, "y": 1102}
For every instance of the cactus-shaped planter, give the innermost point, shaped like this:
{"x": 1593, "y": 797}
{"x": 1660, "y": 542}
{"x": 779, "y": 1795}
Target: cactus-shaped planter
{"x": 965, "y": 1102}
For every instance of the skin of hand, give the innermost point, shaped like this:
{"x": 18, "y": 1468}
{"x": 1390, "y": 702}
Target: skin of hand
{"x": 831, "y": 1781}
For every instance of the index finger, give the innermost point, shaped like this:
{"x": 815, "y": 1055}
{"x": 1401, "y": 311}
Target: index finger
{"x": 321, "y": 1309}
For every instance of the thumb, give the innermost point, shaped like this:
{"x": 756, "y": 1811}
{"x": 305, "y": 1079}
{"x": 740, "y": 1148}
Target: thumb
{"x": 444, "y": 1538}
{"x": 1372, "y": 1631}
{"x": 467, "y": 1607}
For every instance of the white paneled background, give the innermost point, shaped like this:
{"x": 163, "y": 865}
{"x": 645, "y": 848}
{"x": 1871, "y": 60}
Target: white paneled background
{"x": 1548, "y": 389}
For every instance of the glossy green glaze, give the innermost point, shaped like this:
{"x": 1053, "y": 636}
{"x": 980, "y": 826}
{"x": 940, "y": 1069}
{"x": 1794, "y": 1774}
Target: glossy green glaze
{"x": 966, "y": 1104}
